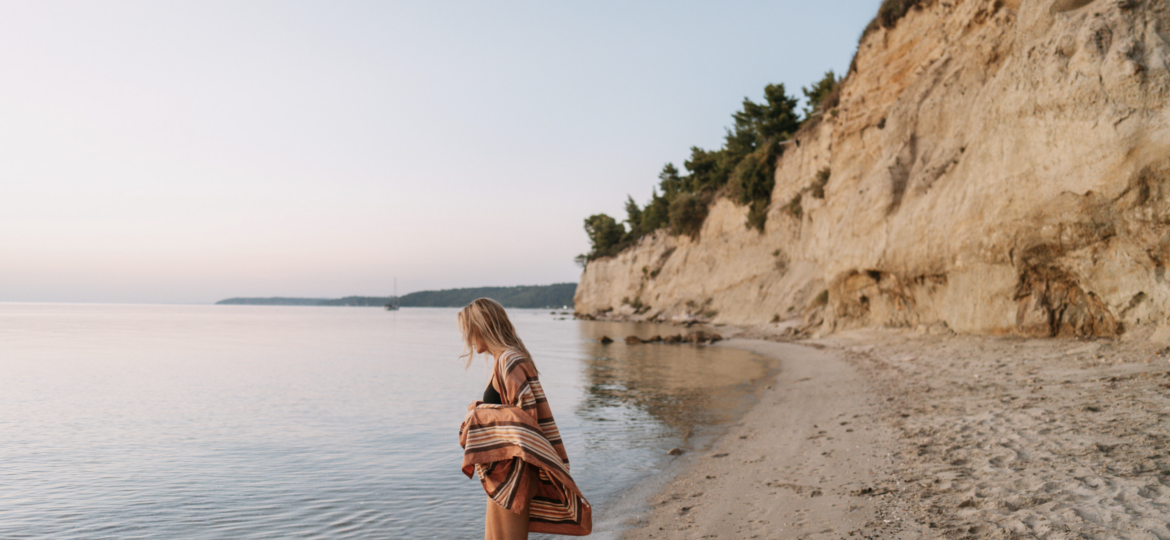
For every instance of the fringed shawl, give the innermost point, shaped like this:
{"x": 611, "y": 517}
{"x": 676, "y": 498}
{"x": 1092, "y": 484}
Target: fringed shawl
{"x": 498, "y": 440}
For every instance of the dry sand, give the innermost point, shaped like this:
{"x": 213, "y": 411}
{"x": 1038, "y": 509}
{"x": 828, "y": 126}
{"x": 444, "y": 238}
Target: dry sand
{"x": 897, "y": 434}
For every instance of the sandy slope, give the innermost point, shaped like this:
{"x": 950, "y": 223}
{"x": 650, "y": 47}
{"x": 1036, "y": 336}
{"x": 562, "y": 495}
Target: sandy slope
{"x": 893, "y": 434}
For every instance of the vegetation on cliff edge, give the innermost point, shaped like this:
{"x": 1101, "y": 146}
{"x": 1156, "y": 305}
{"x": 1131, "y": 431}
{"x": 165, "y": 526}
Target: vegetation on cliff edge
{"x": 743, "y": 170}
{"x": 890, "y": 12}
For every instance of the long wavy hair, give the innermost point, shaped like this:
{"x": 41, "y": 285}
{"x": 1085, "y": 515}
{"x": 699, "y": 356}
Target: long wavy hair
{"x": 485, "y": 319}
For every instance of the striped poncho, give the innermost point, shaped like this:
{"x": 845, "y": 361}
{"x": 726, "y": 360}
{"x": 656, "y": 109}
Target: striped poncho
{"x": 498, "y": 440}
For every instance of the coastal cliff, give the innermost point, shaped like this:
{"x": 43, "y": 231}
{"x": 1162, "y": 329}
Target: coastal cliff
{"x": 997, "y": 166}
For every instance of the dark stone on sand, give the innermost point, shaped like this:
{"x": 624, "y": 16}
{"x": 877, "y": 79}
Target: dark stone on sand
{"x": 676, "y": 451}
{"x": 605, "y": 340}
{"x": 700, "y": 336}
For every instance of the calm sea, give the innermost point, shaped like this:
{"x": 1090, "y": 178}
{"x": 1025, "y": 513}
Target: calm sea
{"x": 127, "y": 421}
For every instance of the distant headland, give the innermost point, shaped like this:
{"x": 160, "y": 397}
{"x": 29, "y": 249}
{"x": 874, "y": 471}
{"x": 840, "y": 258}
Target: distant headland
{"x": 556, "y": 295}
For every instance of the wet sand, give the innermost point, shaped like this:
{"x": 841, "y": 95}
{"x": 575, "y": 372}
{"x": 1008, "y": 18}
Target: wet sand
{"x": 798, "y": 464}
{"x": 898, "y": 434}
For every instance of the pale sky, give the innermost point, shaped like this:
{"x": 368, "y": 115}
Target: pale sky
{"x": 186, "y": 152}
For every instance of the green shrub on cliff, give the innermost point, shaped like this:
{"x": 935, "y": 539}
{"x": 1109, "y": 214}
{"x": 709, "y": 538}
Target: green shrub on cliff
{"x": 605, "y": 234}
{"x": 763, "y": 124}
{"x": 708, "y": 170}
{"x": 670, "y": 182}
{"x": 890, "y": 12}
{"x": 656, "y": 215}
{"x": 633, "y": 218}
{"x": 822, "y": 96}
{"x": 817, "y": 189}
{"x": 752, "y": 184}
{"x": 687, "y": 213}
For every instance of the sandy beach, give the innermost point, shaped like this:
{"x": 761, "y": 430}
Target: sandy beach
{"x": 902, "y": 434}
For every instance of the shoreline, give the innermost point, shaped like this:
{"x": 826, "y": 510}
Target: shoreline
{"x": 901, "y": 434}
{"x": 698, "y": 439}
{"x": 794, "y": 465}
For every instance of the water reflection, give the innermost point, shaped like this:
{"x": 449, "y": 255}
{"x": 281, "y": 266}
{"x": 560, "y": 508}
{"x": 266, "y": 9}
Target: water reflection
{"x": 688, "y": 388}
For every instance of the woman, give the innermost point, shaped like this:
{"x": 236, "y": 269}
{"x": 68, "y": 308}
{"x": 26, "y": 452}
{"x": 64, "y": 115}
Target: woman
{"x": 510, "y": 439}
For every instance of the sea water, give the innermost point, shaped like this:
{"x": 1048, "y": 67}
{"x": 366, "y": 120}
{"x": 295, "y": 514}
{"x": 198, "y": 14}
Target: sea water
{"x": 137, "y": 421}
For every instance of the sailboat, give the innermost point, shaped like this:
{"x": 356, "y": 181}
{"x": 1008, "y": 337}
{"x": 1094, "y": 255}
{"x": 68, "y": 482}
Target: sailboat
{"x": 393, "y": 305}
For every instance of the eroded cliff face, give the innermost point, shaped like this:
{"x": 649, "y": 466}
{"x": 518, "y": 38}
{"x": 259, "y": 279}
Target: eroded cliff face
{"x": 998, "y": 166}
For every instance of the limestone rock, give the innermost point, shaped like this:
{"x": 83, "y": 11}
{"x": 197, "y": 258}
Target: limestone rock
{"x": 997, "y": 166}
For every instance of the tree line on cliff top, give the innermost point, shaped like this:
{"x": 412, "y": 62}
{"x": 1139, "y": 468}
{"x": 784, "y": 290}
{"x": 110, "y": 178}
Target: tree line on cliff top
{"x": 743, "y": 169}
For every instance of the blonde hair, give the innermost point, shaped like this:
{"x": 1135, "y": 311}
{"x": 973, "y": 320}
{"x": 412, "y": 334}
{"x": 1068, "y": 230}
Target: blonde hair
{"x": 485, "y": 318}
